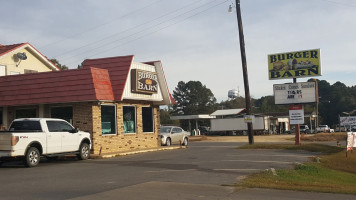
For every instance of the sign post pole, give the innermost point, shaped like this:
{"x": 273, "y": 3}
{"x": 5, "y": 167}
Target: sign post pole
{"x": 297, "y": 127}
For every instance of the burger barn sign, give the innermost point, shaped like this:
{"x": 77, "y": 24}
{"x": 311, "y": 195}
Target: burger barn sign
{"x": 144, "y": 82}
{"x": 296, "y": 64}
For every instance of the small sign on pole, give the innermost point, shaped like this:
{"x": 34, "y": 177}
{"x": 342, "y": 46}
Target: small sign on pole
{"x": 350, "y": 143}
{"x": 296, "y": 114}
{"x": 249, "y": 119}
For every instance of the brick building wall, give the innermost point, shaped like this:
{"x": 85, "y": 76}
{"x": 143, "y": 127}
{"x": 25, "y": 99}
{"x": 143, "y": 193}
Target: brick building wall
{"x": 87, "y": 117}
{"x": 125, "y": 141}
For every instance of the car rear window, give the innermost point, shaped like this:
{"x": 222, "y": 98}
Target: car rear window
{"x": 34, "y": 126}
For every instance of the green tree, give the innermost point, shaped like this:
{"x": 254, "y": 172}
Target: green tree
{"x": 238, "y": 102}
{"x": 60, "y": 66}
{"x": 193, "y": 98}
{"x": 165, "y": 117}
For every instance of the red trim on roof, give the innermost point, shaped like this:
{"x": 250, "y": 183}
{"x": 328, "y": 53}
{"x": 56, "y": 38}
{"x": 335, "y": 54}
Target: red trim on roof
{"x": 172, "y": 100}
{"x": 118, "y": 68}
{"x": 4, "y": 49}
{"x": 44, "y": 56}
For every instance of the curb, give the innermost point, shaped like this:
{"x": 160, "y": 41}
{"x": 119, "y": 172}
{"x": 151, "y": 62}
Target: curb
{"x": 112, "y": 155}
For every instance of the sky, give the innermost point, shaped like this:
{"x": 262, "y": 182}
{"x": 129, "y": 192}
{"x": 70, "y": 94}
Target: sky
{"x": 194, "y": 39}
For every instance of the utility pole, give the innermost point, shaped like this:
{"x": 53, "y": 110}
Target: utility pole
{"x": 244, "y": 69}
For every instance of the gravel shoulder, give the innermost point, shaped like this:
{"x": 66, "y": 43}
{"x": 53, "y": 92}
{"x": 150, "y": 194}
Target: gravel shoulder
{"x": 257, "y": 138}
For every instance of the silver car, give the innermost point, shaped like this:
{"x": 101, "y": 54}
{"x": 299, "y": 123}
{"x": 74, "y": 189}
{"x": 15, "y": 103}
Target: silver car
{"x": 173, "y": 135}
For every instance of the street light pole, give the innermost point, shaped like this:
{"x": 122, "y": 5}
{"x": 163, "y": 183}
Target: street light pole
{"x": 244, "y": 69}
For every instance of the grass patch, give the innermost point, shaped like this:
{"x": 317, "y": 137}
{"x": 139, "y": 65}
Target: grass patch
{"x": 339, "y": 161}
{"x": 335, "y": 173}
{"x": 308, "y": 177}
{"x": 326, "y": 149}
{"x": 324, "y": 137}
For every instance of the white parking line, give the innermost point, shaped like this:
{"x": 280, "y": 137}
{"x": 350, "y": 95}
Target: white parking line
{"x": 278, "y": 155}
{"x": 238, "y": 169}
{"x": 259, "y": 161}
{"x": 171, "y": 170}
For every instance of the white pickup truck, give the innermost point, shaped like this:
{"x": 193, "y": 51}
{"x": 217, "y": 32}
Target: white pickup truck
{"x": 324, "y": 129}
{"x": 35, "y": 137}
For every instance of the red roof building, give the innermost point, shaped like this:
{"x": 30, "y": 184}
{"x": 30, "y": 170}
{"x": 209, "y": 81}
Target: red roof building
{"x": 115, "y": 99}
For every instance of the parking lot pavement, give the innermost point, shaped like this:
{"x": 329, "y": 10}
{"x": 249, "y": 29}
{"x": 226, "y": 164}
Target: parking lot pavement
{"x": 181, "y": 191}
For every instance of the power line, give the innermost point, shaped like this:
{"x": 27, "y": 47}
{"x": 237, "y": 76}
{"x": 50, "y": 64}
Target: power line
{"x": 127, "y": 30}
{"x": 151, "y": 33}
{"x": 338, "y": 3}
{"x": 101, "y": 25}
{"x": 151, "y": 27}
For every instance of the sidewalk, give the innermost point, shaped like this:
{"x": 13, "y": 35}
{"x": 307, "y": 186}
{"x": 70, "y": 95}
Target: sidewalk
{"x": 116, "y": 154}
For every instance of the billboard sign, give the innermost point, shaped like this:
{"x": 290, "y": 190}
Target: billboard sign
{"x": 296, "y": 114}
{"x": 348, "y": 121}
{"x": 296, "y": 64}
{"x": 292, "y": 93}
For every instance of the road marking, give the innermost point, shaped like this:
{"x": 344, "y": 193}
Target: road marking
{"x": 171, "y": 170}
{"x": 260, "y": 161}
{"x": 213, "y": 146}
{"x": 278, "y": 155}
{"x": 238, "y": 169}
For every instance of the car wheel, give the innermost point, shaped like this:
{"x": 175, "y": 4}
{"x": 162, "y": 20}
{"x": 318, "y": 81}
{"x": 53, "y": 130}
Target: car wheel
{"x": 32, "y": 157}
{"x": 84, "y": 151}
{"x": 185, "y": 142}
{"x": 168, "y": 142}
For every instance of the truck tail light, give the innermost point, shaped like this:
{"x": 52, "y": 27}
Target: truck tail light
{"x": 14, "y": 140}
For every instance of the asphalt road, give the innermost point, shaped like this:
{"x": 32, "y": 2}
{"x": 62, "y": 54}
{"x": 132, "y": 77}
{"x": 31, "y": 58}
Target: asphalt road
{"x": 200, "y": 171}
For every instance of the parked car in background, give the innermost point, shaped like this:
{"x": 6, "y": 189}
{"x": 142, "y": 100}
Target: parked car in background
{"x": 340, "y": 129}
{"x": 304, "y": 129}
{"x": 173, "y": 135}
{"x": 324, "y": 129}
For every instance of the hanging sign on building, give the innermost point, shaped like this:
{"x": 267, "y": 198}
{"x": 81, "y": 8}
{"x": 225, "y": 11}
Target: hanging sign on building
{"x": 296, "y": 114}
{"x": 297, "y": 64}
{"x": 293, "y": 93}
{"x": 144, "y": 82}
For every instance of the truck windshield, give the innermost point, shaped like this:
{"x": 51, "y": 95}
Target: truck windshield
{"x": 25, "y": 126}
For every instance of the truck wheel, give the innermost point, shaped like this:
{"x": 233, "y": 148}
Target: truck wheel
{"x": 32, "y": 157}
{"x": 84, "y": 151}
{"x": 185, "y": 142}
{"x": 168, "y": 142}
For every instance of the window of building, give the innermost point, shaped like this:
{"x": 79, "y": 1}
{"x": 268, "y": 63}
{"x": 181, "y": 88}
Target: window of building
{"x": 129, "y": 113}
{"x": 65, "y": 113}
{"x": 26, "y": 113}
{"x": 147, "y": 119}
{"x": 108, "y": 119}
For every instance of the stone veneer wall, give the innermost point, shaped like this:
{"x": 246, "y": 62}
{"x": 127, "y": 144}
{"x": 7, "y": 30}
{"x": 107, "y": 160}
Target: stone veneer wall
{"x": 121, "y": 142}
